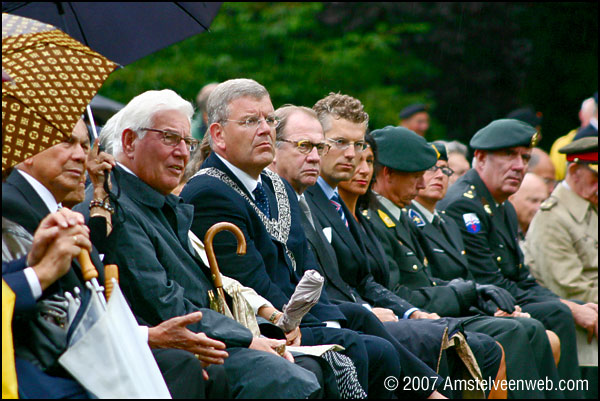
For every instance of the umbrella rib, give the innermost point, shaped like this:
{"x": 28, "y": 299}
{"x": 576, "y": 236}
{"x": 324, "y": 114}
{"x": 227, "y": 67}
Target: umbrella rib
{"x": 190, "y": 15}
{"x": 78, "y": 24}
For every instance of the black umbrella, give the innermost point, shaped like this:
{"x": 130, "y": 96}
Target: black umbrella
{"x": 122, "y": 31}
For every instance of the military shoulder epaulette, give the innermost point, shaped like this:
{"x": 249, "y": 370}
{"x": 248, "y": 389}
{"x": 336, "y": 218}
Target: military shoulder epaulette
{"x": 470, "y": 192}
{"x": 549, "y": 203}
{"x": 386, "y": 219}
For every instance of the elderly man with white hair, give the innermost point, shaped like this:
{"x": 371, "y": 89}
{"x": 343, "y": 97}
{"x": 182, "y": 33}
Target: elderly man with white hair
{"x": 161, "y": 275}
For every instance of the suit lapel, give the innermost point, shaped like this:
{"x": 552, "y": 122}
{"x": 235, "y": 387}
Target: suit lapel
{"x": 327, "y": 213}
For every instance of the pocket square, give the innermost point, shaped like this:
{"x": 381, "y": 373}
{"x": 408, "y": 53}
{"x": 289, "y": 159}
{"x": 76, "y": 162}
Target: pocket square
{"x": 327, "y": 233}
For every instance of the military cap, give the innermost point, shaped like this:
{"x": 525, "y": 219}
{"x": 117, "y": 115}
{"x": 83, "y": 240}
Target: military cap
{"x": 413, "y": 109}
{"x": 504, "y": 133}
{"x": 583, "y": 151}
{"x": 403, "y": 150}
{"x": 440, "y": 150}
{"x": 527, "y": 115}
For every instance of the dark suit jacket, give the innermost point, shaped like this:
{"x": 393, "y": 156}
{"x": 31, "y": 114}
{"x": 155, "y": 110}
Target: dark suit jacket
{"x": 266, "y": 266}
{"x": 492, "y": 247}
{"x": 446, "y": 251}
{"x": 21, "y": 204}
{"x": 337, "y": 289}
{"x": 350, "y": 249}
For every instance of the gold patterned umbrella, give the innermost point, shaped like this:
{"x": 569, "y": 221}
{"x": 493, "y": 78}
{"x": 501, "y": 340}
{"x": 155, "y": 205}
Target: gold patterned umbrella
{"x": 54, "y": 77}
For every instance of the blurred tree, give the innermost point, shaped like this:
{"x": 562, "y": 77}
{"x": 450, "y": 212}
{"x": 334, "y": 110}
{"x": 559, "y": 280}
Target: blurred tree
{"x": 472, "y": 62}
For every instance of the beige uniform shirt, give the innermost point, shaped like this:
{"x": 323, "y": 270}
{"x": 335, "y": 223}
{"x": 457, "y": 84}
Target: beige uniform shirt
{"x": 561, "y": 246}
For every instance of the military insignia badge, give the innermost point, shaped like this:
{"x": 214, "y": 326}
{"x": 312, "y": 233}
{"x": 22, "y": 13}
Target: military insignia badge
{"x": 386, "y": 219}
{"x": 487, "y": 208}
{"x": 416, "y": 218}
{"x": 535, "y": 139}
{"x": 472, "y": 223}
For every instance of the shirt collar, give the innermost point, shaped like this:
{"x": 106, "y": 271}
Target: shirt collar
{"x": 390, "y": 206}
{"x": 42, "y": 192}
{"x": 426, "y": 213}
{"x": 126, "y": 168}
{"x": 329, "y": 192}
{"x": 247, "y": 181}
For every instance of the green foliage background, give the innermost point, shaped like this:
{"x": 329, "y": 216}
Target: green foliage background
{"x": 471, "y": 62}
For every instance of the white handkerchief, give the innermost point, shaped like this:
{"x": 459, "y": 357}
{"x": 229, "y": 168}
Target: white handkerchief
{"x": 327, "y": 233}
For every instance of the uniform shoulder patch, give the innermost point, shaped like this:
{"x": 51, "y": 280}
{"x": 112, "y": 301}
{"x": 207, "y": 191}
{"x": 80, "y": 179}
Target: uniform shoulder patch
{"x": 416, "y": 217}
{"x": 386, "y": 219}
{"x": 549, "y": 203}
{"x": 472, "y": 223}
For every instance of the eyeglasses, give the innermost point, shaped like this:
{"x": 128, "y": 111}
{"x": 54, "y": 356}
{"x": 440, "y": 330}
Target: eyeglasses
{"x": 343, "y": 144}
{"x": 305, "y": 146}
{"x": 171, "y": 138}
{"x": 445, "y": 170}
{"x": 254, "y": 122}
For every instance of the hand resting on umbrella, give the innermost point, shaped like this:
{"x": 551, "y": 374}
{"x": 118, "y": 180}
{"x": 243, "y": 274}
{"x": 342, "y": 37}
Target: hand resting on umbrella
{"x": 58, "y": 239}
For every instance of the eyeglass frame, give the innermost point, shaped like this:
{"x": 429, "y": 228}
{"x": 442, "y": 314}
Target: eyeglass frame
{"x": 435, "y": 168}
{"x": 312, "y": 146}
{"x": 190, "y": 142}
{"x": 258, "y": 122}
{"x": 363, "y": 144}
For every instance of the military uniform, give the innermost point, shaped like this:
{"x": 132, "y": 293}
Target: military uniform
{"x": 562, "y": 244}
{"x": 528, "y": 352}
{"x": 490, "y": 235}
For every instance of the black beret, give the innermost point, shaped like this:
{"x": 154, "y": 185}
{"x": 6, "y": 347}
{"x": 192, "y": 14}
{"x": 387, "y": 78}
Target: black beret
{"x": 413, "y": 109}
{"x": 526, "y": 115}
{"x": 403, "y": 150}
{"x": 440, "y": 150}
{"x": 505, "y": 133}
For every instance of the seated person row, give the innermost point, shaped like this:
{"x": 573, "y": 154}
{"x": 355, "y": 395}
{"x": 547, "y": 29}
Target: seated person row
{"x": 488, "y": 223}
{"x": 234, "y": 186}
{"x": 40, "y": 268}
{"x": 297, "y": 161}
{"x": 400, "y": 174}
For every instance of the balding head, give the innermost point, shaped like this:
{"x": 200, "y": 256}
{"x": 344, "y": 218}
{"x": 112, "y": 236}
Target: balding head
{"x": 541, "y": 165}
{"x": 587, "y": 111}
{"x": 528, "y": 198}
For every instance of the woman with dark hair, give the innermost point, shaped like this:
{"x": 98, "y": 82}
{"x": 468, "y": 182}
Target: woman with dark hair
{"x": 358, "y": 196}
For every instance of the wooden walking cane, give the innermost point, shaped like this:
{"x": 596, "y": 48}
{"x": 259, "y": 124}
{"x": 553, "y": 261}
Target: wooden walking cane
{"x": 212, "y": 259}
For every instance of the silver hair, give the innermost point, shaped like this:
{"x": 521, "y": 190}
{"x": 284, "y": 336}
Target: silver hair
{"x": 139, "y": 113}
{"x": 217, "y": 105}
{"x": 456, "y": 147}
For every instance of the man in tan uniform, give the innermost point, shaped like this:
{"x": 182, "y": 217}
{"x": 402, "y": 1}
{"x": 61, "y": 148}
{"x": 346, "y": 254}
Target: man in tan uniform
{"x": 561, "y": 247}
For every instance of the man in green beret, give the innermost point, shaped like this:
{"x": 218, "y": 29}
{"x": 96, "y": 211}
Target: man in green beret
{"x": 403, "y": 161}
{"x": 478, "y": 204}
{"x": 561, "y": 247}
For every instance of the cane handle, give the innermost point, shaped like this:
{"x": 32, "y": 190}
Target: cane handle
{"x": 87, "y": 267}
{"x": 208, "y": 244}
{"x": 110, "y": 272}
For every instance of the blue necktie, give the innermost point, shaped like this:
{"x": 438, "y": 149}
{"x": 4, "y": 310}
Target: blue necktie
{"x": 260, "y": 197}
{"x": 337, "y": 202}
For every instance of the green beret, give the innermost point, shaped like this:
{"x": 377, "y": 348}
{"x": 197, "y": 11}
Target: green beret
{"x": 505, "y": 133}
{"x": 440, "y": 150}
{"x": 401, "y": 149}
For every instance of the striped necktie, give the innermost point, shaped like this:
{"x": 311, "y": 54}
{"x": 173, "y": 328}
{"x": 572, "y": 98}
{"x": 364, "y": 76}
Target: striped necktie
{"x": 337, "y": 202}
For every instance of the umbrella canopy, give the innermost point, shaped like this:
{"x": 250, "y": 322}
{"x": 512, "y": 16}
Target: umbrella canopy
{"x": 122, "y": 31}
{"x": 54, "y": 79}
